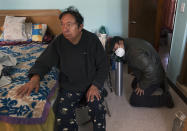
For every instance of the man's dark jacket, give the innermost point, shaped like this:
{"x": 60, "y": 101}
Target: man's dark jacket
{"x": 92, "y": 61}
{"x": 144, "y": 62}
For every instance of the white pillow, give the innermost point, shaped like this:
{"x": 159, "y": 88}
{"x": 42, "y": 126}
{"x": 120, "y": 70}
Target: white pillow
{"x": 14, "y": 29}
{"x": 10, "y": 19}
{"x": 28, "y": 30}
{"x": 44, "y": 29}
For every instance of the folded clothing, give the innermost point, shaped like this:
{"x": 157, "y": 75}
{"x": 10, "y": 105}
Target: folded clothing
{"x": 6, "y": 62}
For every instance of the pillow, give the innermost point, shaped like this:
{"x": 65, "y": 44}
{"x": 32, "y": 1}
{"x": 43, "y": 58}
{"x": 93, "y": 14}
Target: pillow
{"x": 38, "y": 31}
{"x": 44, "y": 29}
{"x": 14, "y": 29}
{"x": 13, "y": 19}
{"x": 28, "y": 31}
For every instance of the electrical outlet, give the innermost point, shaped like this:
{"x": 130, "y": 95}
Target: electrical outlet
{"x": 182, "y": 7}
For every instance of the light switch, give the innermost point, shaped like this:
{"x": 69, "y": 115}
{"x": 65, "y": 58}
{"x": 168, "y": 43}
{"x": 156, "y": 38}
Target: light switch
{"x": 182, "y": 7}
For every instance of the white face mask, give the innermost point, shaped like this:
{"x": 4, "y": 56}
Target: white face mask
{"x": 120, "y": 52}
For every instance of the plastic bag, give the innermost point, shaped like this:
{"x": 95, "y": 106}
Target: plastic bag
{"x": 178, "y": 123}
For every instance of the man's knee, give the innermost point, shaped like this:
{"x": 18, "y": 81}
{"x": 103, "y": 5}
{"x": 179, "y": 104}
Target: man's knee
{"x": 96, "y": 106}
{"x": 132, "y": 99}
{"x": 135, "y": 100}
{"x": 95, "y": 103}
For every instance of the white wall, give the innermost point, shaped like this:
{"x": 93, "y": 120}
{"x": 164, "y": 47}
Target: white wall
{"x": 178, "y": 43}
{"x": 113, "y": 14}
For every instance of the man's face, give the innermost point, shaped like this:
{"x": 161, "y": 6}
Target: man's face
{"x": 70, "y": 28}
{"x": 120, "y": 44}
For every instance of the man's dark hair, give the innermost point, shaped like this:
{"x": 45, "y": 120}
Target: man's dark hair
{"x": 74, "y": 12}
{"x": 111, "y": 42}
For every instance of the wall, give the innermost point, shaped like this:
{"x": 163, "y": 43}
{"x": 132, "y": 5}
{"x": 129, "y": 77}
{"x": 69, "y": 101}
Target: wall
{"x": 113, "y": 14}
{"x": 178, "y": 43}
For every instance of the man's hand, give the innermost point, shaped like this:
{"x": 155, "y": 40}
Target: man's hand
{"x": 26, "y": 89}
{"x": 139, "y": 91}
{"x": 92, "y": 92}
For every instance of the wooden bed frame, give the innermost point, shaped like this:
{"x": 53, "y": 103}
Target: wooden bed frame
{"x": 49, "y": 17}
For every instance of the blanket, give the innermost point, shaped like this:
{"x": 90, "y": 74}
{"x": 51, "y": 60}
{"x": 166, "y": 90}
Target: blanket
{"x": 31, "y": 109}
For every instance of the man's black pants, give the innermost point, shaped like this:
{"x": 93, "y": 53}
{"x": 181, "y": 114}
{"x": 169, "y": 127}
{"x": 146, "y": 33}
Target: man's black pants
{"x": 147, "y": 100}
{"x": 65, "y": 105}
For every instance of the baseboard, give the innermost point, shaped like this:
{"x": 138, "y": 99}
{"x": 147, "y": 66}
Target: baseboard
{"x": 178, "y": 91}
{"x": 182, "y": 88}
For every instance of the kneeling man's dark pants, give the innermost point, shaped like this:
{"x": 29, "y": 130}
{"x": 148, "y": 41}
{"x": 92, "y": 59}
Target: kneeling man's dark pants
{"x": 147, "y": 100}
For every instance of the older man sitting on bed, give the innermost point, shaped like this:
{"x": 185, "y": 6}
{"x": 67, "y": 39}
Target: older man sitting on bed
{"x": 82, "y": 62}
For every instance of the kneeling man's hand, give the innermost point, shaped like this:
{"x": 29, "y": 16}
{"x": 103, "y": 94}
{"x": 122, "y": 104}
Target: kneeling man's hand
{"x": 92, "y": 92}
{"x": 139, "y": 91}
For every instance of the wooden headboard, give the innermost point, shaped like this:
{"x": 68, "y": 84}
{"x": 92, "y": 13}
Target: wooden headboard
{"x": 49, "y": 17}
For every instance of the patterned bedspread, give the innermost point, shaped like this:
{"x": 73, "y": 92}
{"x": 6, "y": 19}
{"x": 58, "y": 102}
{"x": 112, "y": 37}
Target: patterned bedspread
{"x": 31, "y": 109}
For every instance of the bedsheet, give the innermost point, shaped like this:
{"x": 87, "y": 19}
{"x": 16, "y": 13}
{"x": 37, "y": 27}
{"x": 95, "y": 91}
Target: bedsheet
{"x": 31, "y": 109}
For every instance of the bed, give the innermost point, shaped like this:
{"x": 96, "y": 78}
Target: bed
{"x": 32, "y": 112}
